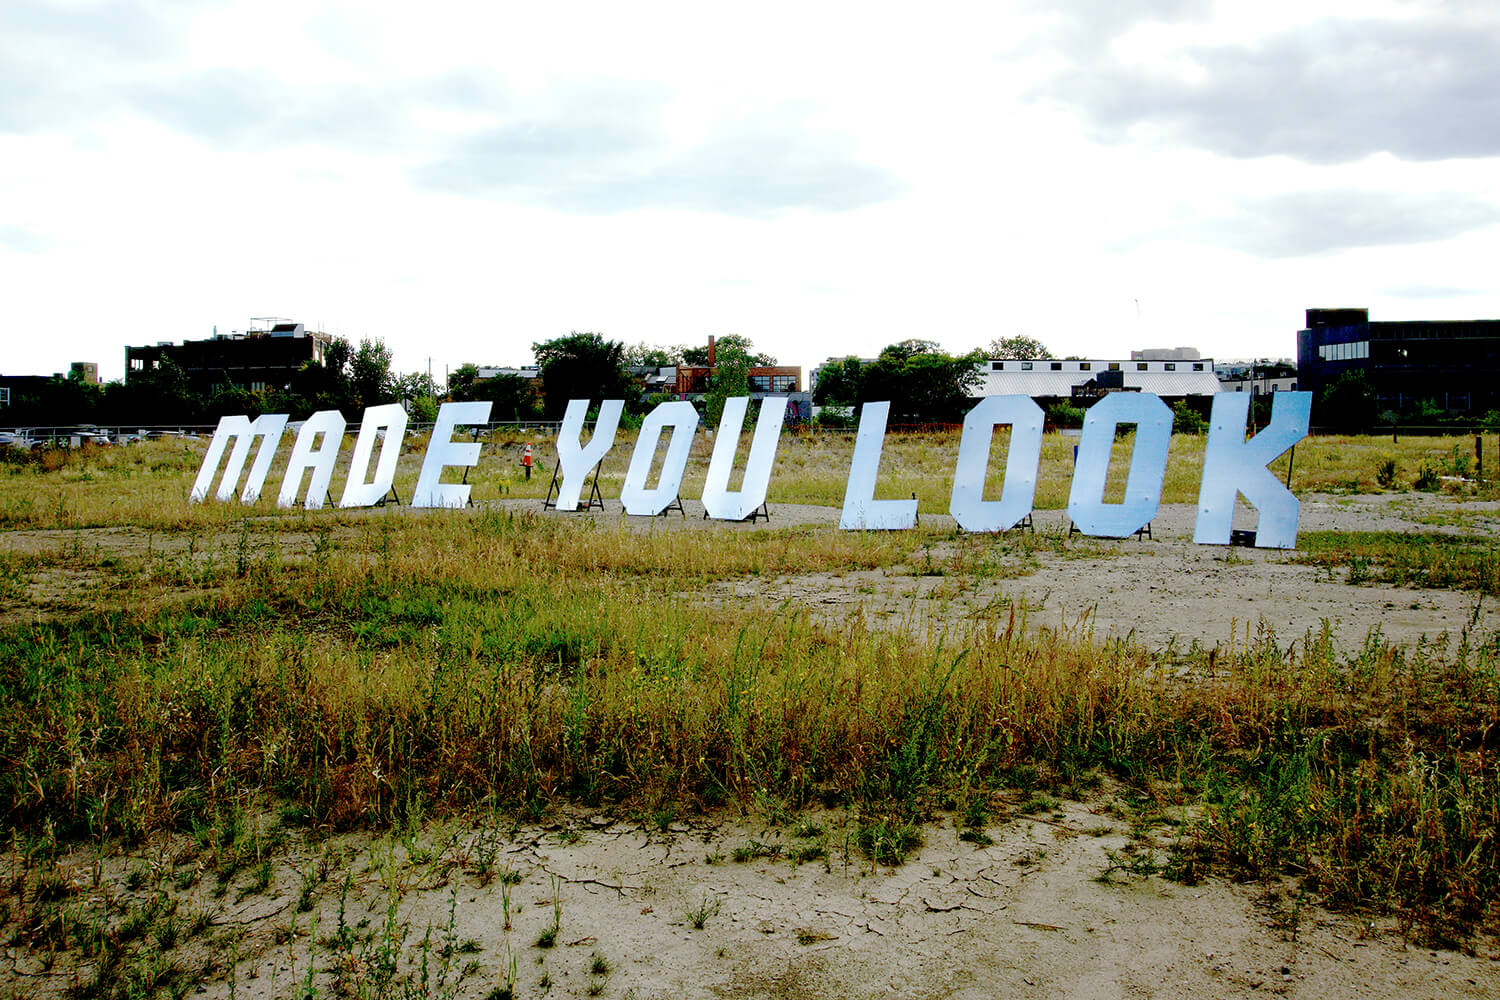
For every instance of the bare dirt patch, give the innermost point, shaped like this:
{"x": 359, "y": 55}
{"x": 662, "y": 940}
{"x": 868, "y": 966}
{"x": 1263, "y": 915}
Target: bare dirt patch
{"x": 649, "y": 913}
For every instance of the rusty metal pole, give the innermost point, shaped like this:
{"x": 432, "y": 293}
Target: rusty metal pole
{"x": 1479, "y": 457}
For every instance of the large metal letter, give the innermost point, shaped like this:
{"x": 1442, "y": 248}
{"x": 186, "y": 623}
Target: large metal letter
{"x": 1148, "y": 464}
{"x": 861, "y": 509}
{"x": 327, "y": 428}
{"x": 1018, "y": 491}
{"x": 575, "y": 460}
{"x": 683, "y": 419}
{"x": 443, "y": 451}
{"x": 391, "y": 419}
{"x": 240, "y": 429}
{"x": 718, "y": 501}
{"x": 1232, "y": 465}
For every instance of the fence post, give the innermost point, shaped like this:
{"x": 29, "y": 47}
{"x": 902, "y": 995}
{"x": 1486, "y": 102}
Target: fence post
{"x": 1479, "y": 457}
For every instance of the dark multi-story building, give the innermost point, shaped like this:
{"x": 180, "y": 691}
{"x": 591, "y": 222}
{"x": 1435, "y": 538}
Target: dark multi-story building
{"x": 14, "y": 388}
{"x": 1452, "y": 363}
{"x": 263, "y": 357}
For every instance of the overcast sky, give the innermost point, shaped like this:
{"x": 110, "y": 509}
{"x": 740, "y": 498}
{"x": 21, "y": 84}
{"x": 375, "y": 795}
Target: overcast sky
{"x": 464, "y": 179}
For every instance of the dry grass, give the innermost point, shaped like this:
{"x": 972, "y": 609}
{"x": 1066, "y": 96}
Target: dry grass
{"x": 397, "y": 666}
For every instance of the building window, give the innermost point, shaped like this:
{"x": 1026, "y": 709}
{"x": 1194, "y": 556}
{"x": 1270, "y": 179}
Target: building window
{"x": 1140, "y": 366}
{"x": 760, "y": 383}
{"x": 136, "y": 364}
{"x": 1026, "y": 366}
{"x": 1084, "y": 366}
{"x": 1114, "y": 366}
{"x": 1170, "y": 366}
{"x": 1197, "y": 366}
{"x": 1057, "y": 366}
{"x": 997, "y": 366}
{"x": 4, "y": 395}
{"x": 783, "y": 383}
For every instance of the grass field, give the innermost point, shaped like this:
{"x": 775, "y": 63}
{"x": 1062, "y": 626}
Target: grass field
{"x": 235, "y": 672}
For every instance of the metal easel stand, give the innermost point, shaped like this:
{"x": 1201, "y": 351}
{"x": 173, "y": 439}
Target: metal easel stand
{"x": 1141, "y": 533}
{"x": 465, "y": 480}
{"x": 391, "y": 497}
{"x": 595, "y": 498}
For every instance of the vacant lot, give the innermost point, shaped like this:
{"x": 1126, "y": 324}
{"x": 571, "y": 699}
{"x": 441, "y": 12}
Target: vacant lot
{"x": 503, "y": 751}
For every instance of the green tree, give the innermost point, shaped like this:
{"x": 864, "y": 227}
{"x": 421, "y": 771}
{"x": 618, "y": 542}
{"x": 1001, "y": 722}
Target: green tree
{"x": 583, "y": 366}
{"x": 922, "y": 382}
{"x": 652, "y": 356}
{"x": 698, "y": 356}
{"x": 1186, "y": 419}
{"x": 1348, "y": 403}
{"x": 322, "y": 386}
{"x": 1019, "y": 346}
{"x": 731, "y": 377}
{"x": 370, "y": 373}
{"x": 160, "y": 395}
{"x": 839, "y": 382}
{"x": 511, "y": 397}
{"x": 461, "y": 381}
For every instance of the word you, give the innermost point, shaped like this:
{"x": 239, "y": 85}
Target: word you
{"x": 1233, "y": 465}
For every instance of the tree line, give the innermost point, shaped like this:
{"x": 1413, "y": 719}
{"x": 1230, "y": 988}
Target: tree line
{"x": 922, "y": 382}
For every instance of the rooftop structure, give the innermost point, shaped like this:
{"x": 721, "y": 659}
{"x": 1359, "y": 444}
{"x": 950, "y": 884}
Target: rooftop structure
{"x": 264, "y": 356}
{"x": 1049, "y": 379}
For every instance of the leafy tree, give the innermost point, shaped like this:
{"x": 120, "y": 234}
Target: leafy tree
{"x": 1019, "y": 346}
{"x": 370, "y": 373}
{"x": 652, "y": 356}
{"x": 461, "y": 381}
{"x": 322, "y": 386}
{"x": 511, "y": 397}
{"x": 337, "y": 355}
{"x": 731, "y": 377}
{"x": 698, "y": 356}
{"x": 839, "y": 382}
{"x": 229, "y": 399}
{"x": 1186, "y": 419}
{"x": 1064, "y": 414}
{"x": 582, "y": 366}
{"x": 910, "y": 348}
{"x": 1348, "y": 403}
{"x": 922, "y": 382}
{"x": 420, "y": 394}
{"x": 160, "y": 395}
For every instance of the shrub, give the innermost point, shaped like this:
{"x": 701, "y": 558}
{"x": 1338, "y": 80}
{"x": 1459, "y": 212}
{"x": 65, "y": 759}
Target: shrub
{"x": 1065, "y": 415}
{"x": 1385, "y": 475}
{"x": 1186, "y": 420}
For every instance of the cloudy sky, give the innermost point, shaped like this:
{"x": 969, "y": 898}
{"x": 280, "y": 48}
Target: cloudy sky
{"x": 462, "y": 179}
